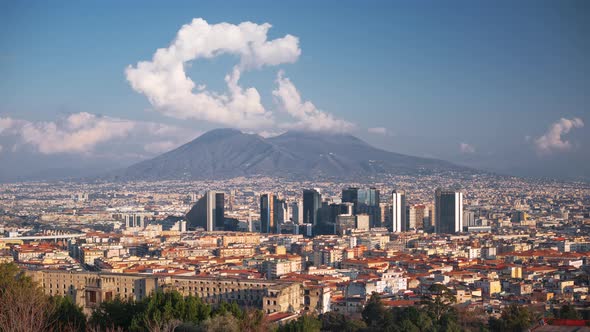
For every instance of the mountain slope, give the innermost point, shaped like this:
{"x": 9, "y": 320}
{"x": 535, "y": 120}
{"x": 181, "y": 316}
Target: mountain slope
{"x": 225, "y": 153}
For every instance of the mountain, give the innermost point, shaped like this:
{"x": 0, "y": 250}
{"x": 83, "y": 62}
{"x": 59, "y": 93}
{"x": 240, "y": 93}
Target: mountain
{"x": 226, "y": 153}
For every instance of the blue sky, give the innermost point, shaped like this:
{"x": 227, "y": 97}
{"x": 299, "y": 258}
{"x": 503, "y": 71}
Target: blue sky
{"x": 493, "y": 76}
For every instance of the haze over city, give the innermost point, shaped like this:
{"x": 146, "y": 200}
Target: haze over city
{"x": 253, "y": 166}
{"x": 500, "y": 87}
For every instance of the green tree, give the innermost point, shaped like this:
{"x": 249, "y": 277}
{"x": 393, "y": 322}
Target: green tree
{"x": 569, "y": 312}
{"x": 66, "y": 315}
{"x": 225, "y": 322}
{"x": 514, "y": 318}
{"x": 195, "y": 310}
{"x": 418, "y": 317}
{"x": 254, "y": 320}
{"x": 334, "y": 321}
{"x": 440, "y": 302}
{"x": 304, "y": 323}
{"x": 233, "y": 308}
{"x": 23, "y": 305}
{"x": 115, "y": 314}
{"x": 374, "y": 312}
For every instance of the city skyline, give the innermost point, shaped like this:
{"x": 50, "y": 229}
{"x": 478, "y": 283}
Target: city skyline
{"x": 503, "y": 93}
{"x": 295, "y": 166}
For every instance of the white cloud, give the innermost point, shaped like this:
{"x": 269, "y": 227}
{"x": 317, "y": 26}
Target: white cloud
{"x": 79, "y": 133}
{"x": 378, "y": 130}
{"x": 164, "y": 81}
{"x": 82, "y": 132}
{"x": 8, "y": 124}
{"x": 269, "y": 133}
{"x": 552, "y": 140}
{"x": 466, "y": 148}
{"x": 307, "y": 115}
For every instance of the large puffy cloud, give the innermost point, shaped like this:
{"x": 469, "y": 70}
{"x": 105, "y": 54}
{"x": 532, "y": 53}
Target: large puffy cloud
{"x": 82, "y": 132}
{"x": 164, "y": 82}
{"x": 305, "y": 112}
{"x": 79, "y": 133}
{"x": 552, "y": 140}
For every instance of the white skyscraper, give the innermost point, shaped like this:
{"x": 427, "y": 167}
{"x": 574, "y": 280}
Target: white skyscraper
{"x": 398, "y": 211}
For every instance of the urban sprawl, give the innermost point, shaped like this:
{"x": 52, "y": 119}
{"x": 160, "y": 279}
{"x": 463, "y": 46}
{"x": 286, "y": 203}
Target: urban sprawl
{"x": 289, "y": 248}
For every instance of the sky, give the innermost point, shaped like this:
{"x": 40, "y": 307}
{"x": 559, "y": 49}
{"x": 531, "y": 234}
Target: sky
{"x": 496, "y": 85}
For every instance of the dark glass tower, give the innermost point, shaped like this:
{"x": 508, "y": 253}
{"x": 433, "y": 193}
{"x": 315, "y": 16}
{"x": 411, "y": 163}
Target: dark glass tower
{"x": 448, "y": 207}
{"x": 312, "y": 201}
{"x": 208, "y": 213}
{"x": 365, "y": 201}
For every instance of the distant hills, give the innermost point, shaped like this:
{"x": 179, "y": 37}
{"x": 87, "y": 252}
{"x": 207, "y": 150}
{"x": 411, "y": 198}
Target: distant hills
{"x": 228, "y": 153}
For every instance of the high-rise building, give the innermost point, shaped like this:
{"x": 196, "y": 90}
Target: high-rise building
{"x": 448, "y": 206}
{"x": 398, "y": 211}
{"x": 135, "y": 220}
{"x": 208, "y": 212}
{"x": 312, "y": 201}
{"x": 297, "y": 212}
{"x": 411, "y": 213}
{"x": 469, "y": 218}
{"x": 281, "y": 210}
{"x": 366, "y": 201}
{"x": 430, "y": 220}
{"x": 273, "y": 213}
{"x": 416, "y": 216}
{"x": 385, "y": 215}
{"x": 267, "y": 213}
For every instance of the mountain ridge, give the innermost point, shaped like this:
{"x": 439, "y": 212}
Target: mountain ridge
{"x": 226, "y": 153}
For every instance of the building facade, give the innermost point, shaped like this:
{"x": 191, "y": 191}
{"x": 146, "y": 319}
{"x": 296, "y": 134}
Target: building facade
{"x": 448, "y": 211}
{"x": 398, "y": 211}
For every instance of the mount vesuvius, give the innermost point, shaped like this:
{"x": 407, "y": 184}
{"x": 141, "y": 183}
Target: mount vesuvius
{"x": 228, "y": 153}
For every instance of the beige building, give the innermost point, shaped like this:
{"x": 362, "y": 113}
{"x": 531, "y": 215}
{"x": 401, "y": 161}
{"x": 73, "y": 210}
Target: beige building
{"x": 277, "y": 267}
{"x": 89, "y": 289}
{"x": 239, "y": 238}
{"x": 90, "y": 254}
{"x": 235, "y": 251}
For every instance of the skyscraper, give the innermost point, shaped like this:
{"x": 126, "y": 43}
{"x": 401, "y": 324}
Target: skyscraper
{"x": 297, "y": 212}
{"x": 281, "y": 211}
{"x": 385, "y": 215}
{"x": 365, "y": 201}
{"x": 420, "y": 213}
{"x": 208, "y": 212}
{"x": 267, "y": 213}
{"x": 312, "y": 201}
{"x": 469, "y": 218}
{"x": 398, "y": 211}
{"x": 273, "y": 212}
{"x": 448, "y": 211}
